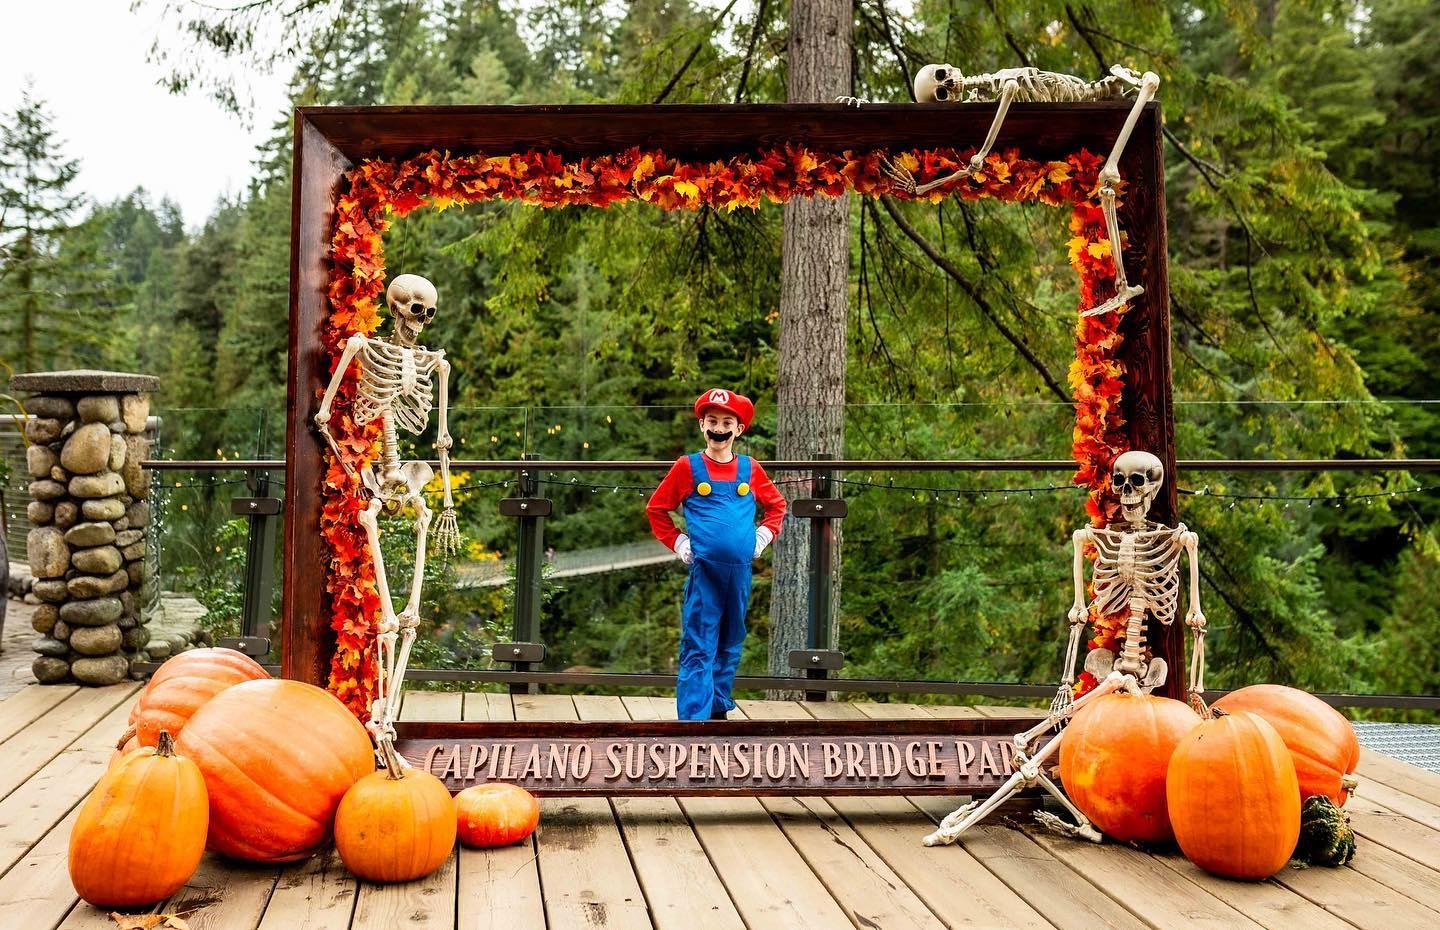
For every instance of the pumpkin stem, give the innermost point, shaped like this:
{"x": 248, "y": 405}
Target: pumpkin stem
{"x": 1349, "y": 783}
{"x": 125, "y": 737}
{"x": 166, "y": 745}
{"x": 393, "y": 767}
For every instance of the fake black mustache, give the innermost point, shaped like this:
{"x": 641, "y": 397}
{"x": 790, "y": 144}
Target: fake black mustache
{"x": 718, "y": 437}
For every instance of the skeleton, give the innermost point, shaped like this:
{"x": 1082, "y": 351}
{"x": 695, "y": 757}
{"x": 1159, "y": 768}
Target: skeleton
{"x": 947, "y": 83}
{"x": 395, "y": 389}
{"x": 1137, "y": 571}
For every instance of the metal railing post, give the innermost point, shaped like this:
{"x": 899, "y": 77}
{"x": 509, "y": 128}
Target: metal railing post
{"x": 263, "y": 512}
{"x": 820, "y": 657}
{"x": 530, "y": 510}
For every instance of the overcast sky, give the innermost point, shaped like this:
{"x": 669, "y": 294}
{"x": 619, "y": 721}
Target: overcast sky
{"x": 87, "y": 61}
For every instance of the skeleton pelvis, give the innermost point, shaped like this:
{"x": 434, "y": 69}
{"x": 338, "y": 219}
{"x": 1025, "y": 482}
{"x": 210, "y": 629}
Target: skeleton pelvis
{"x": 397, "y": 485}
{"x": 1101, "y": 662}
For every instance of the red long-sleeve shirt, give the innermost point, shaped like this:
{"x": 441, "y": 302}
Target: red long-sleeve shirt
{"x": 678, "y": 485}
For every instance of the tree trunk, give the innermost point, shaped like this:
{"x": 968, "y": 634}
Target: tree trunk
{"x": 814, "y": 298}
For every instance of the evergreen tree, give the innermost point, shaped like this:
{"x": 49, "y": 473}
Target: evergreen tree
{"x": 46, "y": 259}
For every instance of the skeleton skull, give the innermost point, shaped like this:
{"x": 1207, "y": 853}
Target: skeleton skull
{"x": 937, "y": 82}
{"x": 411, "y": 299}
{"x": 1136, "y": 477}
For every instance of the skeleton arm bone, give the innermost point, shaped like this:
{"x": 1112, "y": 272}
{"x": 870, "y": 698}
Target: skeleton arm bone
{"x": 447, "y": 533}
{"x": 322, "y": 417}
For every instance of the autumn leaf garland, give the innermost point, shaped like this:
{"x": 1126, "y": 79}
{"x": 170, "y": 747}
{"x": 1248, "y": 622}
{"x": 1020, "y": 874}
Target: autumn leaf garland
{"x": 381, "y": 190}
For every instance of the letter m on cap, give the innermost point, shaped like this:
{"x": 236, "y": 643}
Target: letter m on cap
{"x": 718, "y": 396}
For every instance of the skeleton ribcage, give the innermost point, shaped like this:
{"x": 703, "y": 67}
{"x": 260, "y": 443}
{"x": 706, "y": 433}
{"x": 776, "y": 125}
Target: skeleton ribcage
{"x": 1047, "y": 86}
{"x": 396, "y": 380}
{"x": 1137, "y": 570}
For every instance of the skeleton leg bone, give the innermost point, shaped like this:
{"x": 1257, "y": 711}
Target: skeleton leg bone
{"x": 1109, "y": 175}
{"x": 380, "y": 724}
{"x": 957, "y": 822}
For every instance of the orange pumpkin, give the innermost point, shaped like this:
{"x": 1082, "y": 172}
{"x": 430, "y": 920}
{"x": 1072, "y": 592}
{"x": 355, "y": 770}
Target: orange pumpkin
{"x": 395, "y": 825}
{"x": 1113, "y": 762}
{"x": 141, "y": 833}
{"x": 1233, "y": 797}
{"x": 496, "y": 814}
{"x": 1321, "y": 741}
{"x": 182, "y": 686}
{"x": 277, "y": 757}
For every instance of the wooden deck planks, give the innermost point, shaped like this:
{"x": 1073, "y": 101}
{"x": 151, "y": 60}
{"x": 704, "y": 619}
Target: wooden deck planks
{"x": 717, "y": 862}
{"x": 584, "y": 867}
{"x": 28, "y": 751}
{"x": 25, "y": 706}
{"x": 951, "y": 882}
{"x": 427, "y": 903}
{"x": 499, "y": 889}
{"x": 47, "y": 796}
{"x": 679, "y": 881}
{"x": 859, "y": 879}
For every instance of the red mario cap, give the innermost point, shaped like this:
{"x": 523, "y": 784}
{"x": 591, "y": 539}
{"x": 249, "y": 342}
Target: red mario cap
{"x": 737, "y": 405}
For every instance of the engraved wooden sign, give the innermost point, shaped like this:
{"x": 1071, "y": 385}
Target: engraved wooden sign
{"x": 739, "y": 757}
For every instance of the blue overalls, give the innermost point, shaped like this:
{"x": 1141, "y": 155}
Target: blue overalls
{"x": 720, "y": 521}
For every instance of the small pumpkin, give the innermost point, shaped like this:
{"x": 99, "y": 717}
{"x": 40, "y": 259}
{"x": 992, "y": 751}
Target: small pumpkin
{"x": 1113, "y": 762}
{"x": 496, "y": 814}
{"x": 141, "y": 832}
{"x": 395, "y": 825}
{"x": 184, "y": 684}
{"x": 1325, "y": 834}
{"x": 277, "y": 757}
{"x": 1233, "y": 797}
{"x": 1321, "y": 741}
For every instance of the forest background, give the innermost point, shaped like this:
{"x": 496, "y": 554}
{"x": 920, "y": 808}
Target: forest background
{"x": 1302, "y": 145}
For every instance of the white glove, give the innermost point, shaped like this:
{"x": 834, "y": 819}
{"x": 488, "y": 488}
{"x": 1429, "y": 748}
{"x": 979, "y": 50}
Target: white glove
{"x": 763, "y": 536}
{"x": 682, "y": 549}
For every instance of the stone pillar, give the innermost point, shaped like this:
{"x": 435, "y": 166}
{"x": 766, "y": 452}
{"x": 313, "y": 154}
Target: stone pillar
{"x": 88, "y": 511}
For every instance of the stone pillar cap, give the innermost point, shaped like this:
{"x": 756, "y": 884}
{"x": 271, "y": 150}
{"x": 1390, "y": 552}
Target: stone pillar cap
{"x": 84, "y": 381}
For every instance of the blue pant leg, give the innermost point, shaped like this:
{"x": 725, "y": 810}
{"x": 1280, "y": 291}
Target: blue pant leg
{"x": 735, "y": 604}
{"x": 699, "y": 628}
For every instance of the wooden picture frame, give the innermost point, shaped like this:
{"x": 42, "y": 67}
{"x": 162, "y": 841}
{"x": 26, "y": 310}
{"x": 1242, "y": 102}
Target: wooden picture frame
{"x": 331, "y": 140}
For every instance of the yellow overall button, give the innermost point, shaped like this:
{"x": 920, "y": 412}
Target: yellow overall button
{"x": 703, "y": 488}
{"x": 743, "y": 489}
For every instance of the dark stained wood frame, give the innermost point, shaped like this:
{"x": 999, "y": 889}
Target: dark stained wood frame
{"x": 330, "y": 140}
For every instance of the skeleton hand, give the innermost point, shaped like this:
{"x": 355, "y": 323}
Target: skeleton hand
{"x": 447, "y": 533}
{"x": 763, "y": 536}
{"x": 851, "y": 101}
{"x": 1064, "y": 697}
{"x": 682, "y": 549}
{"x": 900, "y": 177}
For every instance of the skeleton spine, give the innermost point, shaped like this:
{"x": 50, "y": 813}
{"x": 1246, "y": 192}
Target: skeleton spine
{"x": 390, "y": 447}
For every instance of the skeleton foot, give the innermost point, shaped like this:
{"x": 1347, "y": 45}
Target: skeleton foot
{"x": 902, "y": 180}
{"x": 948, "y": 831}
{"x": 447, "y": 533}
{"x": 1122, "y": 297}
{"x": 1084, "y": 831}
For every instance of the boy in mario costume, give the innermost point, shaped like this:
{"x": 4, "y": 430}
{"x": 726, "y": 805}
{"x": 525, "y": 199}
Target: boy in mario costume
{"x": 717, "y": 491}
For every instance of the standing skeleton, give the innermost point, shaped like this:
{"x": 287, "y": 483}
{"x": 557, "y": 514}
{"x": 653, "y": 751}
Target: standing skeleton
{"x": 1031, "y": 85}
{"x": 1137, "y": 571}
{"x": 395, "y": 389}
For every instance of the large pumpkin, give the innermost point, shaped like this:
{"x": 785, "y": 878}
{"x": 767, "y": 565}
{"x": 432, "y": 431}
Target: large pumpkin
{"x": 182, "y": 686}
{"x": 277, "y": 756}
{"x": 496, "y": 814}
{"x": 395, "y": 825}
{"x": 1233, "y": 797}
{"x": 1113, "y": 761}
{"x": 141, "y": 833}
{"x": 1321, "y": 741}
